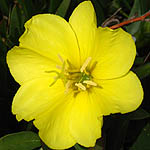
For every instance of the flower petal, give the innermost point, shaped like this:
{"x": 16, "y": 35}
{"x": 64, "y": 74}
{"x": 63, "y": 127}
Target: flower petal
{"x": 86, "y": 123}
{"x": 84, "y": 24}
{"x": 35, "y": 97}
{"x": 25, "y": 64}
{"x": 50, "y": 35}
{"x": 114, "y": 51}
{"x": 121, "y": 95}
{"x": 53, "y": 125}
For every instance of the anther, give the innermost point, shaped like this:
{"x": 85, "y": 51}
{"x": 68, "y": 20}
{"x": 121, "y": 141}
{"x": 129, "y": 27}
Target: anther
{"x": 89, "y": 82}
{"x": 81, "y": 86}
{"x": 68, "y": 84}
{"x": 59, "y": 67}
{"x": 85, "y": 64}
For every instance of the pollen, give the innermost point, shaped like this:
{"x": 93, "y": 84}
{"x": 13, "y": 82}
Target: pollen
{"x": 89, "y": 82}
{"x": 80, "y": 86}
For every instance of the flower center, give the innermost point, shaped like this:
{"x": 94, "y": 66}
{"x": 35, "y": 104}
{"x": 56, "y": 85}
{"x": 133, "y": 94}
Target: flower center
{"x": 76, "y": 79}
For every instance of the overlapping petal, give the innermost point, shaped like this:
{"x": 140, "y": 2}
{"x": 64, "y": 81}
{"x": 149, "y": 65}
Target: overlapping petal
{"x": 86, "y": 120}
{"x": 114, "y": 53}
{"x": 36, "y": 96}
{"x": 53, "y": 125}
{"x": 26, "y": 64}
{"x": 123, "y": 94}
{"x": 84, "y": 24}
{"x": 50, "y": 35}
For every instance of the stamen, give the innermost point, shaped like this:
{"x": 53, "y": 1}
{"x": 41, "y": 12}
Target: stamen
{"x": 68, "y": 84}
{"x": 63, "y": 67}
{"x": 60, "y": 58}
{"x": 73, "y": 71}
{"x": 69, "y": 64}
{"x": 89, "y": 82}
{"x": 85, "y": 64}
{"x": 58, "y": 67}
{"x": 81, "y": 86}
{"x": 76, "y": 79}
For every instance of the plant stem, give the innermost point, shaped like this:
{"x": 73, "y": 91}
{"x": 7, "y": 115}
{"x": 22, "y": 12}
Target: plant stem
{"x": 141, "y": 18}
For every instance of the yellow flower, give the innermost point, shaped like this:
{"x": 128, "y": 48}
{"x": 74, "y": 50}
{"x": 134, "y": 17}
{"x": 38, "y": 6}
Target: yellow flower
{"x": 71, "y": 75}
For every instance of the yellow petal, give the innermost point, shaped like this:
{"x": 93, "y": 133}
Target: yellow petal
{"x": 53, "y": 125}
{"x": 86, "y": 123}
{"x": 35, "y": 97}
{"x": 50, "y": 35}
{"x": 120, "y": 95}
{"x": 83, "y": 22}
{"x": 114, "y": 52}
{"x": 25, "y": 64}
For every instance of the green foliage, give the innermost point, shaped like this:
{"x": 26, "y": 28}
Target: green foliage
{"x": 99, "y": 8}
{"x": 78, "y": 147}
{"x": 143, "y": 71}
{"x": 138, "y": 114}
{"x": 115, "y": 129}
{"x": 26, "y": 6}
{"x": 62, "y": 9}
{"x": 4, "y": 7}
{"x": 120, "y": 132}
{"x": 143, "y": 141}
{"x": 15, "y": 23}
{"x": 53, "y": 5}
{"x": 136, "y": 10}
{"x": 25, "y": 140}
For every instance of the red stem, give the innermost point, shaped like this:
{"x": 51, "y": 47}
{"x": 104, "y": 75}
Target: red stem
{"x": 141, "y": 18}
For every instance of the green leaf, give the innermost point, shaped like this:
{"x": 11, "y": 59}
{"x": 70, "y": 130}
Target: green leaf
{"x": 146, "y": 30}
{"x": 27, "y": 8}
{"x": 98, "y": 147}
{"x": 3, "y": 28}
{"x": 136, "y": 9}
{"x": 114, "y": 130}
{"x": 116, "y": 4}
{"x": 143, "y": 35}
{"x": 78, "y": 147}
{"x": 3, "y": 51}
{"x": 102, "y": 2}
{"x": 139, "y": 61}
{"x": 14, "y": 21}
{"x": 16, "y": 25}
{"x": 4, "y": 7}
{"x": 62, "y": 9}
{"x": 54, "y": 4}
{"x": 99, "y": 12}
{"x": 25, "y": 140}
{"x": 23, "y": 5}
{"x": 138, "y": 114}
{"x": 143, "y": 71}
{"x": 143, "y": 141}
{"x": 145, "y": 5}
